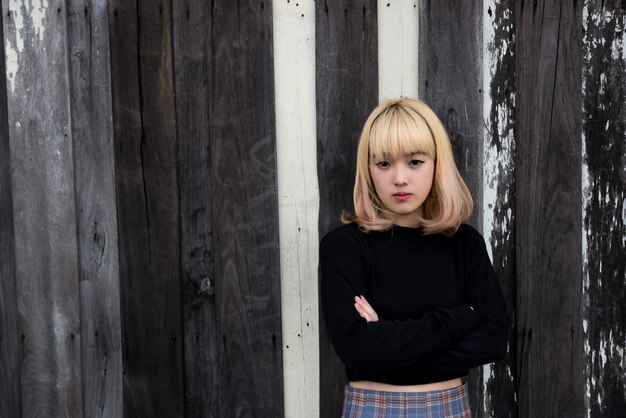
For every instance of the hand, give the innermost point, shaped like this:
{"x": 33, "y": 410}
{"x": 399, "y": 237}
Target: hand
{"x": 365, "y": 309}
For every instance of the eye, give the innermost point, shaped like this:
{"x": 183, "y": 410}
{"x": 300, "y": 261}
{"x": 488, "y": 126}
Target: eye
{"x": 416, "y": 162}
{"x": 383, "y": 164}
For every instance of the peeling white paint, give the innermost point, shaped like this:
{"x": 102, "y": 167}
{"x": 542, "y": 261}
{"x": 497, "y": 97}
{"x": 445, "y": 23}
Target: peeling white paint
{"x": 27, "y": 17}
{"x": 487, "y": 376}
{"x": 495, "y": 162}
{"x": 298, "y": 202}
{"x": 607, "y": 349}
{"x": 398, "y": 48}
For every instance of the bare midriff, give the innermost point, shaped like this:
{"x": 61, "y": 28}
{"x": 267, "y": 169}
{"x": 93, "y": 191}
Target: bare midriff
{"x": 385, "y": 387}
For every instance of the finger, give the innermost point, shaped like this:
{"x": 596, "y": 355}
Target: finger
{"x": 364, "y": 314}
{"x": 364, "y": 304}
{"x": 365, "y": 310}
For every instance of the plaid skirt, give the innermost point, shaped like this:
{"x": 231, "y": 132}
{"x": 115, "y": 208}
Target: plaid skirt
{"x": 362, "y": 403}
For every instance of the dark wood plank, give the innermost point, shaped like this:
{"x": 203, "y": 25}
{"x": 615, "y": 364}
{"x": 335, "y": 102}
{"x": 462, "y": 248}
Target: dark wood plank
{"x": 245, "y": 208}
{"x": 604, "y": 127}
{"x": 192, "y": 29}
{"x": 347, "y": 91}
{"x": 10, "y": 359}
{"x": 148, "y": 207}
{"x": 501, "y": 386}
{"x": 46, "y": 264}
{"x": 450, "y": 72}
{"x": 549, "y": 224}
{"x": 94, "y": 165}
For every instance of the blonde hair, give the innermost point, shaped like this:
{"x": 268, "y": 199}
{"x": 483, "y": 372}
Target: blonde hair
{"x": 408, "y": 126}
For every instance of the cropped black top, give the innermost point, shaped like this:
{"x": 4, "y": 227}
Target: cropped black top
{"x": 422, "y": 287}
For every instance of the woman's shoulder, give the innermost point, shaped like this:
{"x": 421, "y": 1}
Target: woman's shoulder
{"x": 350, "y": 231}
{"x": 468, "y": 237}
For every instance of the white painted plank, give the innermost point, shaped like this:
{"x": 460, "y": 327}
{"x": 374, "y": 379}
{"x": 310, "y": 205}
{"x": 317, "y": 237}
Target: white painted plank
{"x": 398, "y": 47}
{"x": 496, "y": 161}
{"x": 298, "y": 202}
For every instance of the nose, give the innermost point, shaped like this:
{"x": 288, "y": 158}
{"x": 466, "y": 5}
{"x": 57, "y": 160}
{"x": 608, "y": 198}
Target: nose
{"x": 399, "y": 176}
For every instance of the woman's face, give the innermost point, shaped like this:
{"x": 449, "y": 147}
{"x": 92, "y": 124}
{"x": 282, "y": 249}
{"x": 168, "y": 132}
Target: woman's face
{"x": 403, "y": 183}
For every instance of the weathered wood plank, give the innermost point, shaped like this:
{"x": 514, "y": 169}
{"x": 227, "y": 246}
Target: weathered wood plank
{"x": 497, "y": 399}
{"x": 10, "y": 356}
{"x": 192, "y": 29}
{"x": 398, "y": 37}
{"x": 604, "y": 185}
{"x": 450, "y": 80}
{"x": 298, "y": 202}
{"x": 548, "y": 212}
{"x": 346, "y": 92}
{"x": 44, "y": 208}
{"x": 94, "y": 176}
{"x": 245, "y": 226}
{"x": 148, "y": 207}
{"x": 450, "y": 74}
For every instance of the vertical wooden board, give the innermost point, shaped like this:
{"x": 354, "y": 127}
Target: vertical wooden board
{"x": 94, "y": 174}
{"x": 147, "y": 207}
{"x": 346, "y": 92}
{"x": 298, "y": 202}
{"x": 43, "y": 207}
{"x": 192, "y": 29}
{"x": 245, "y": 224}
{"x": 548, "y": 208}
{"x": 499, "y": 380}
{"x": 398, "y": 40}
{"x": 451, "y": 82}
{"x": 10, "y": 360}
{"x": 604, "y": 211}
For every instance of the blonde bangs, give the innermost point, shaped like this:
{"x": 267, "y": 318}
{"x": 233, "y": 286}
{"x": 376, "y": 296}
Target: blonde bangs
{"x": 400, "y": 127}
{"x": 398, "y": 131}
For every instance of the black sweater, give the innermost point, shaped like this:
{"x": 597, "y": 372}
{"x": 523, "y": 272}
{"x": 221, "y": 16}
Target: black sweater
{"x": 422, "y": 287}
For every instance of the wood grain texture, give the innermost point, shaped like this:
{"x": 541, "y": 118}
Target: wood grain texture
{"x": 346, "y": 91}
{"x": 298, "y": 202}
{"x": 398, "y": 35}
{"x": 148, "y": 207}
{"x": 604, "y": 245}
{"x": 44, "y": 208}
{"x": 192, "y": 29}
{"x": 94, "y": 165}
{"x": 450, "y": 74}
{"x": 10, "y": 387}
{"x": 499, "y": 380}
{"x": 245, "y": 224}
{"x": 549, "y": 224}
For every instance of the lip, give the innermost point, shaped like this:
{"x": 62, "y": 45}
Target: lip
{"x": 401, "y": 196}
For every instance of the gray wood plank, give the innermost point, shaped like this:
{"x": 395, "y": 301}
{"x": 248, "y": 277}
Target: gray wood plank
{"x": 604, "y": 128}
{"x": 10, "y": 356}
{"x": 245, "y": 209}
{"x": 147, "y": 207}
{"x": 44, "y": 209}
{"x": 450, "y": 73}
{"x": 502, "y": 384}
{"x": 94, "y": 165}
{"x": 192, "y": 29}
{"x": 548, "y": 208}
{"x": 346, "y": 92}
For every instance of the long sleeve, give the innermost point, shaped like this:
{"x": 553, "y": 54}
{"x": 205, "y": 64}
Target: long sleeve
{"x": 487, "y": 343}
{"x": 386, "y": 344}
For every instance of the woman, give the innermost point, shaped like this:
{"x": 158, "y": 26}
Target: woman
{"x": 409, "y": 295}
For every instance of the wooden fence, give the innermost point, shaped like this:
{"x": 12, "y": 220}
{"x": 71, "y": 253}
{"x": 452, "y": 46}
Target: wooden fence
{"x": 168, "y": 167}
